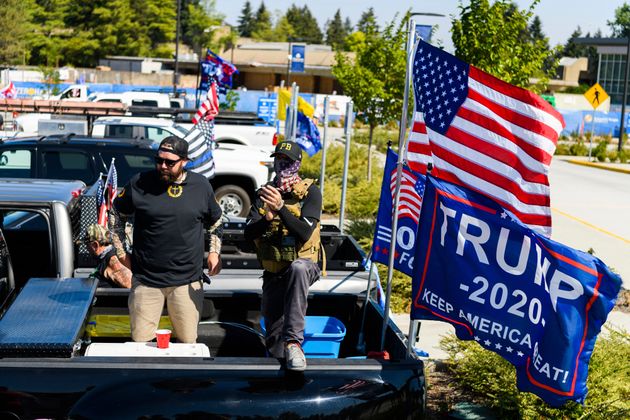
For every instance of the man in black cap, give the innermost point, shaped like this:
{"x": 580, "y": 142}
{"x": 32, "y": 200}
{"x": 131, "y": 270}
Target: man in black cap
{"x": 284, "y": 224}
{"x": 172, "y": 208}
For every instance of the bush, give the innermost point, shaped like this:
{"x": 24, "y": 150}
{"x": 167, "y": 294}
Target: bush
{"x": 623, "y": 156}
{"x": 562, "y": 149}
{"x": 599, "y": 152}
{"x": 578, "y": 149}
{"x": 492, "y": 381}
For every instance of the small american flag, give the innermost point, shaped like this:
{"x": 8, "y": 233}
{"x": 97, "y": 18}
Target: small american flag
{"x": 483, "y": 133}
{"x": 411, "y": 191}
{"x": 106, "y": 193}
{"x": 209, "y": 107}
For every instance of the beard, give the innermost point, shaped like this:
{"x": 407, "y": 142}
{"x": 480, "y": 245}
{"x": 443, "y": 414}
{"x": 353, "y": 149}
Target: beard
{"x": 169, "y": 177}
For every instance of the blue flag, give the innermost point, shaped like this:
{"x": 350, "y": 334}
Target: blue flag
{"x": 535, "y": 302}
{"x": 307, "y": 135}
{"x": 409, "y": 204}
{"x": 214, "y": 68}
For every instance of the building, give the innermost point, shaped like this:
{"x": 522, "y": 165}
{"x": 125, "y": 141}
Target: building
{"x": 262, "y": 65}
{"x": 612, "y": 64}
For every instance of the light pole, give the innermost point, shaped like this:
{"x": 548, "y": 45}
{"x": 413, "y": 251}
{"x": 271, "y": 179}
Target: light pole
{"x": 179, "y": 3}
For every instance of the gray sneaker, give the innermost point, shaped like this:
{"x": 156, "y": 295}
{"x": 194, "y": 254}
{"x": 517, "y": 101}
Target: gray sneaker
{"x": 295, "y": 357}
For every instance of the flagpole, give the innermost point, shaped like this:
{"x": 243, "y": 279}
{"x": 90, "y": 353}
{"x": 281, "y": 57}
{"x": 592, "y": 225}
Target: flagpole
{"x": 322, "y": 171}
{"x": 346, "y": 163}
{"x": 361, "y": 338}
{"x": 296, "y": 94}
{"x": 401, "y": 148}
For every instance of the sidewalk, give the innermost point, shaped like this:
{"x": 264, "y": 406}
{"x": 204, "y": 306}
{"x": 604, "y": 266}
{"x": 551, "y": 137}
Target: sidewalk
{"x": 583, "y": 160}
{"x": 432, "y": 331}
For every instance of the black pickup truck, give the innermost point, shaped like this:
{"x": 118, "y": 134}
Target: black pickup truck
{"x": 65, "y": 349}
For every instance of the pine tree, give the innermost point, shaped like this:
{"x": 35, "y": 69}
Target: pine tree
{"x": 347, "y": 26}
{"x": 246, "y": 20}
{"x": 305, "y": 25}
{"x": 535, "y": 30}
{"x": 367, "y": 22}
{"x": 336, "y": 31}
{"x": 262, "y": 27}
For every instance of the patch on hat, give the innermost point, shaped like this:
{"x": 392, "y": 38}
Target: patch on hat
{"x": 290, "y": 149}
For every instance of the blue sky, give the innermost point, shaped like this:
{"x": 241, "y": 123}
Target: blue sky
{"x": 559, "y": 17}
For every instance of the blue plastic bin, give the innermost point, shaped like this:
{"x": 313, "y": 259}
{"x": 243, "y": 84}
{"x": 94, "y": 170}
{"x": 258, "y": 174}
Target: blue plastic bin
{"x": 322, "y": 336}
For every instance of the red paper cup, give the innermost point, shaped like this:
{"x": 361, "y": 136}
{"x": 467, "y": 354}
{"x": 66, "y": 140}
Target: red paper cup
{"x": 163, "y": 338}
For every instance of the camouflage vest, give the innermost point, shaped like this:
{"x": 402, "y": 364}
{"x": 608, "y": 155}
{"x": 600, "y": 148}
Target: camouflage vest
{"x": 277, "y": 248}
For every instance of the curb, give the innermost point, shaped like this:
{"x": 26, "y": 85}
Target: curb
{"x": 598, "y": 166}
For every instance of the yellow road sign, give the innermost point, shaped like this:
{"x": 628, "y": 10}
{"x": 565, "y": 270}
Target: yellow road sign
{"x": 596, "y": 95}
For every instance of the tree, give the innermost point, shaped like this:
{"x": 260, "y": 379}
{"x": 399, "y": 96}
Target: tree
{"x": 367, "y": 21}
{"x": 347, "y": 26}
{"x": 536, "y": 32}
{"x": 336, "y": 31}
{"x": 621, "y": 24}
{"x": 305, "y": 25}
{"x": 262, "y": 23}
{"x": 246, "y": 20}
{"x": 15, "y": 18}
{"x": 155, "y": 21}
{"x": 491, "y": 37}
{"x": 375, "y": 78}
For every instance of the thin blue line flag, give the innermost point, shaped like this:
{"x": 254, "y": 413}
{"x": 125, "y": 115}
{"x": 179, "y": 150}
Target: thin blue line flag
{"x": 535, "y": 302}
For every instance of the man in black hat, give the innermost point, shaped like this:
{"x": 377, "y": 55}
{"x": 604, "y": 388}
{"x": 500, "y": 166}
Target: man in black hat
{"x": 284, "y": 224}
{"x": 172, "y": 208}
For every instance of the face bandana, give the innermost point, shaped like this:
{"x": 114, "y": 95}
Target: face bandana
{"x": 286, "y": 174}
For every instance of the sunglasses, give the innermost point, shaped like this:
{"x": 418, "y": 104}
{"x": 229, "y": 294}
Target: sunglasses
{"x": 169, "y": 162}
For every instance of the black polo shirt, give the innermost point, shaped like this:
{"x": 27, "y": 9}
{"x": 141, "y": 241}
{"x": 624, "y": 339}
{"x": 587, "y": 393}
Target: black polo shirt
{"x": 169, "y": 224}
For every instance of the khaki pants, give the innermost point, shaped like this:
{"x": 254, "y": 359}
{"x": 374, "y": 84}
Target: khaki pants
{"x": 184, "y": 305}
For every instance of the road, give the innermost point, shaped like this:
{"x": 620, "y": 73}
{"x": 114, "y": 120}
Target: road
{"x": 591, "y": 210}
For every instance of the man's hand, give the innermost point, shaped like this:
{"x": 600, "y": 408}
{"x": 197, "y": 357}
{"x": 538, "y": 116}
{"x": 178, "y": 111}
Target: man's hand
{"x": 214, "y": 264}
{"x": 271, "y": 197}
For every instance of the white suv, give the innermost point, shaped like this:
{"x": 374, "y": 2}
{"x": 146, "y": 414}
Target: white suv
{"x": 240, "y": 170}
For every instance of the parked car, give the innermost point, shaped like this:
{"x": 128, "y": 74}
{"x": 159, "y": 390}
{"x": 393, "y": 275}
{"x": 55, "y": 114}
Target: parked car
{"x": 260, "y": 137}
{"x": 239, "y": 173}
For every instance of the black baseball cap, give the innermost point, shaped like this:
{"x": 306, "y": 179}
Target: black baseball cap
{"x": 173, "y": 144}
{"x": 290, "y": 149}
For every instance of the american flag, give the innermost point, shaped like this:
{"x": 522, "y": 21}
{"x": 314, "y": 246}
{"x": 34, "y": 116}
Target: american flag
{"x": 200, "y": 138}
{"x": 483, "y": 133}
{"x": 411, "y": 191}
{"x": 106, "y": 193}
{"x": 8, "y": 92}
{"x": 209, "y": 107}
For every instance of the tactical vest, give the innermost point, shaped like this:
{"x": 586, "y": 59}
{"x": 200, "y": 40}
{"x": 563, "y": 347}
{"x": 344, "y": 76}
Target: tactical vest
{"x": 277, "y": 248}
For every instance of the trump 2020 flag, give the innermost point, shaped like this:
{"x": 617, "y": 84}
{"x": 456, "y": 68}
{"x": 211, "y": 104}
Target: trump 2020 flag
{"x": 307, "y": 135}
{"x": 409, "y": 205}
{"x": 535, "y": 302}
{"x": 483, "y": 133}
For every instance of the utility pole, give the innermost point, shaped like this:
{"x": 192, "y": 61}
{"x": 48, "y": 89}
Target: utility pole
{"x": 175, "y": 73}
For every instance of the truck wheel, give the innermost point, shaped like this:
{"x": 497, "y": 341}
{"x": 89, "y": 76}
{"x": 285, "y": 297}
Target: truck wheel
{"x": 233, "y": 200}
